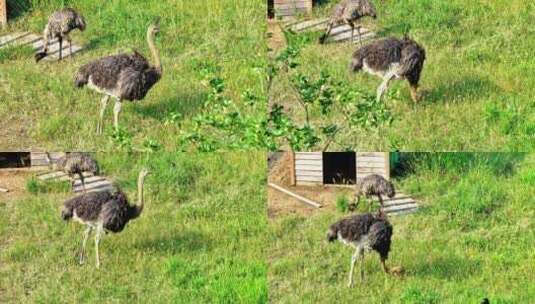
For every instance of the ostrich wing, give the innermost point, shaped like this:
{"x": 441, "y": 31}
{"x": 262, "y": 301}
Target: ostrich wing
{"x": 134, "y": 84}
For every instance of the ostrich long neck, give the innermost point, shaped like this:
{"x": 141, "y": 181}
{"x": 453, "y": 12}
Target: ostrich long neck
{"x": 140, "y": 183}
{"x": 154, "y": 51}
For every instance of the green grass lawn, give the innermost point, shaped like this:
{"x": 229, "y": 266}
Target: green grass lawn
{"x": 472, "y": 238}
{"x": 200, "y": 238}
{"x": 477, "y": 78}
{"x": 40, "y": 106}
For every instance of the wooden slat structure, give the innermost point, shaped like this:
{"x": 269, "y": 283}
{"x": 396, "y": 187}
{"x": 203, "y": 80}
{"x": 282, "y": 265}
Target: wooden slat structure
{"x": 289, "y": 8}
{"x": 38, "y": 159}
{"x": 399, "y": 204}
{"x": 309, "y": 166}
{"x": 92, "y": 183}
{"x": 3, "y": 13}
{"x": 36, "y": 42}
{"x": 340, "y": 33}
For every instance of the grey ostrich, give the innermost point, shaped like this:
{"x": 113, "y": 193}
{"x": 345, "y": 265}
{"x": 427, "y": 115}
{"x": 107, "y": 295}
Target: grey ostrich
{"x": 59, "y": 25}
{"x": 391, "y": 58}
{"x": 75, "y": 163}
{"x": 122, "y": 76}
{"x": 374, "y": 184}
{"x": 349, "y": 11}
{"x": 103, "y": 211}
{"x": 364, "y": 232}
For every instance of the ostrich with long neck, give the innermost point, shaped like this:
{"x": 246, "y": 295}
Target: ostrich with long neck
{"x": 125, "y": 76}
{"x": 103, "y": 211}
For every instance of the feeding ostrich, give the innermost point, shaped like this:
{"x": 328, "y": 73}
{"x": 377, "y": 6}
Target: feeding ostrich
{"x": 106, "y": 210}
{"x": 59, "y": 25}
{"x": 374, "y": 184}
{"x": 391, "y": 58}
{"x": 349, "y": 11}
{"x": 75, "y": 163}
{"x": 123, "y": 76}
{"x": 364, "y": 232}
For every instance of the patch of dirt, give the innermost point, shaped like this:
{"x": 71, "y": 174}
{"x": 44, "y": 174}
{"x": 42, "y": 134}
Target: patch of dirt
{"x": 276, "y": 40}
{"x": 281, "y": 204}
{"x": 15, "y": 182}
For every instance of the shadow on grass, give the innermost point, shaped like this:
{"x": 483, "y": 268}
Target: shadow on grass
{"x": 182, "y": 242}
{"x": 447, "y": 267}
{"x": 161, "y": 110}
{"x": 471, "y": 86}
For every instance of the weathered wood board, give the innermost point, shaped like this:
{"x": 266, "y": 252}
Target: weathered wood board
{"x": 3, "y": 13}
{"x": 400, "y": 204}
{"x": 340, "y": 33}
{"x": 92, "y": 183}
{"x": 36, "y": 42}
{"x": 288, "y": 8}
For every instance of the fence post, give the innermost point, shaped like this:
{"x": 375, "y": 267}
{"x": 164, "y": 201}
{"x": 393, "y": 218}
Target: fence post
{"x": 3, "y": 13}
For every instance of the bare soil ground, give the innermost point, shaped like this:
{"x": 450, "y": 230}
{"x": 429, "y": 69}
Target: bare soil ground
{"x": 276, "y": 40}
{"x": 14, "y": 181}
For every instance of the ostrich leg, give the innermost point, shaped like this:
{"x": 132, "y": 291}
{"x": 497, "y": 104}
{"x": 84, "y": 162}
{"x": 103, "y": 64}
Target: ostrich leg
{"x": 326, "y": 34}
{"x": 362, "y": 265}
{"x": 382, "y": 208}
{"x": 116, "y": 111}
{"x": 81, "y": 174}
{"x": 86, "y": 235}
{"x": 383, "y": 263}
{"x": 70, "y": 44}
{"x": 98, "y": 236}
{"x": 60, "y": 39}
{"x": 103, "y": 104}
{"x": 354, "y": 257}
{"x": 384, "y": 86}
{"x": 360, "y": 36}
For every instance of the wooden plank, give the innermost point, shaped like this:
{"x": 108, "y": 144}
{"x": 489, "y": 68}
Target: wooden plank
{"x": 313, "y": 162}
{"x": 398, "y": 202}
{"x": 305, "y": 183}
{"x": 88, "y": 180}
{"x": 367, "y": 164}
{"x": 3, "y": 13}
{"x": 104, "y": 188}
{"x": 4, "y": 190}
{"x": 400, "y": 208}
{"x": 371, "y": 159}
{"x": 5, "y": 40}
{"x": 294, "y": 195}
{"x": 309, "y": 167}
{"x": 51, "y": 175}
{"x": 94, "y": 185}
{"x": 370, "y": 154}
{"x": 308, "y": 25}
{"x": 308, "y": 156}
{"x": 308, "y": 173}
{"x": 309, "y": 178}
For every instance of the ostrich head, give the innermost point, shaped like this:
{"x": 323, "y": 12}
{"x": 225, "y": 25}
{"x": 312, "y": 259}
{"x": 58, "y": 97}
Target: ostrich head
{"x": 80, "y": 22}
{"x": 332, "y": 234}
{"x": 368, "y": 9}
{"x": 140, "y": 184}
{"x": 389, "y": 189}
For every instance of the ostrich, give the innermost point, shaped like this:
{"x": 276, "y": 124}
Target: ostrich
{"x": 59, "y": 25}
{"x": 106, "y": 210}
{"x": 75, "y": 163}
{"x": 391, "y": 58}
{"x": 122, "y": 76}
{"x": 349, "y": 11}
{"x": 374, "y": 184}
{"x": 364, "y": 232}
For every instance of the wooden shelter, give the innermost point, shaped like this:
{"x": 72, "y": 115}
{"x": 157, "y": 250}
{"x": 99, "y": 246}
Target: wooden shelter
{"x": 337, "y": 168}
{"x": 288, "y": 8}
